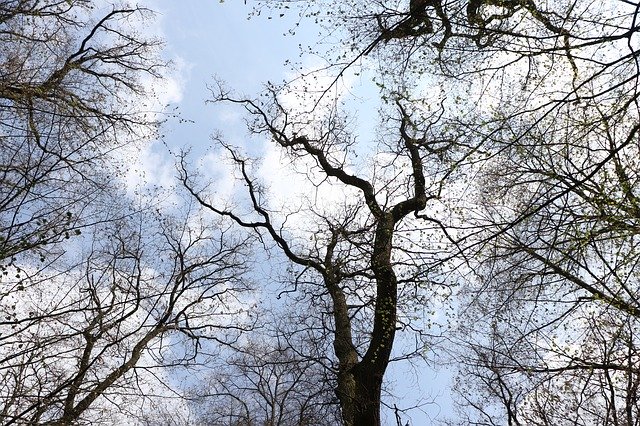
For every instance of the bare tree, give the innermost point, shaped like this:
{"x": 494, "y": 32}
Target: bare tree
{"x": 71, "y": 95}
{"x": 558, "y": 284}
{"x": 92, "y": 326}
{"x": 99, "y": 335}
{"x": 541, "y": 104}
{"x": 357, "y": 261}
{"x": 272, "y": 383}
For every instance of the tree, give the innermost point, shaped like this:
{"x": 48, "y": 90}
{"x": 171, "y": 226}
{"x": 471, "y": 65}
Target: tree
{"x": 72, "y": 96}
{"x": 538, "y": 117}
{"x": 555, "y": 250}
{"x": 561, "y": 270}
{"x": 556, "y": 291}
{"x": 272, "y": 383}
{"x": 86, "y": 340}
{"x": 355, "y": 261}
{"x": 545, "y": 93}
{"x": 100, "y": 297}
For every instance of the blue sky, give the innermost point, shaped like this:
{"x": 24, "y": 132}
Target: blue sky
{"x": 211, "y": 39}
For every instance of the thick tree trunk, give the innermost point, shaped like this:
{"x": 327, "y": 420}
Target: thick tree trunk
{"x": 359, "y": 396}
{"x": 360, "y": 383}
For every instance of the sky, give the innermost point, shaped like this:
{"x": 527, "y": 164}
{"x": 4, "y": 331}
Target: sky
{"x": 210, "y": 40}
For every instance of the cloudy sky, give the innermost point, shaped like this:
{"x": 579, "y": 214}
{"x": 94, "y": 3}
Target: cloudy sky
{"x": 208, "y": 40}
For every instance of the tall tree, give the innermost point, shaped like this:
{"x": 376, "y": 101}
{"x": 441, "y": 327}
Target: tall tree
{"x": 546, "y": 94}
{"x": 357, "y": 260}
{"x": 561, "y": 267}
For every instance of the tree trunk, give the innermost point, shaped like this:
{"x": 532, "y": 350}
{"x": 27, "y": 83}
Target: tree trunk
{"x": 369, "y": 389}
{"x": 360, "y": 384}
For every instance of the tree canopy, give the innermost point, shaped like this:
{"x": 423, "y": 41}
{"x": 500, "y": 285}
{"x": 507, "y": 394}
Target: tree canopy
{"x": 487, "y": 222}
